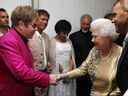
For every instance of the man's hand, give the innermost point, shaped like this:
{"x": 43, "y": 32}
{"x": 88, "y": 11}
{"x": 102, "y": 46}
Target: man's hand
{"x": 53, "y": 79}
{"x": 61, "y": 76}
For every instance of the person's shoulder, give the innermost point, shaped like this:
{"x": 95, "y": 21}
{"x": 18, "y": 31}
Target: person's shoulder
{"x": 45, "y": 34}
{"x": 7, "y": 40}
{"x": 118, "y": 47}
{"x": 94, "y": 49}
{"x": 9, "y": 37}
{"x": 89, "y": 32}
{"x": 52, "y": 40}
{"x": 74, "y": 34}
{"x": 116, "y": 50}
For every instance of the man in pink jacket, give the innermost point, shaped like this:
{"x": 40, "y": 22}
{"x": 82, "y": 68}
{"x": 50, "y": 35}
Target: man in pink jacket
{"x": 17, "y": 76}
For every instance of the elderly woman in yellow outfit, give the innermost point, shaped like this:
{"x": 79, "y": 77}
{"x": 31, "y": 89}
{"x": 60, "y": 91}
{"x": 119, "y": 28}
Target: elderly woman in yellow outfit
{"x": 101, "y": 63}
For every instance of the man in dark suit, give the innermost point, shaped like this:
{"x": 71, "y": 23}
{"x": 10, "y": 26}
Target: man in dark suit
{"x": 82, "y": 44}
{"x": 121, "y": 21}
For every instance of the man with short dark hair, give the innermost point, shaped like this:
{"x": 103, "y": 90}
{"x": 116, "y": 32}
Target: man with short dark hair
{"x": 121, "y": 21}
{"x": 39, "y": 46}
{"x": 82, "y": 44}
{"x": 4, "y": 21}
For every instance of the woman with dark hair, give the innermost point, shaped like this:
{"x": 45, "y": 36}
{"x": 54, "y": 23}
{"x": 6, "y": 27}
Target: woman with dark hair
{"x": 61, "y": 55}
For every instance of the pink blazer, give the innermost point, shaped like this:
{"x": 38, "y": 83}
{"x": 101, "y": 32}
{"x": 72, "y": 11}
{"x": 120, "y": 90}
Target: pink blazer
{"x": 17, "y": 77}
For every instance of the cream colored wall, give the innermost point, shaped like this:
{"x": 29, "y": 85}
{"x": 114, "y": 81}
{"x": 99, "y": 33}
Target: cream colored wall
{"x": 9, "y": 5}
{"x": 64, "y": 9}
{"x": 72, "y": 10}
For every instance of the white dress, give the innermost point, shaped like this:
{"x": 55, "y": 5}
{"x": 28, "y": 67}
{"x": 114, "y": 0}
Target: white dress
{"x": 65, "y": 87}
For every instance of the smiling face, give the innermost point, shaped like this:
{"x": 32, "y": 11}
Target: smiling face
{"x": 121, "y": 19}
{"x": 4, "y": 20}
{"x": 85, "y": 23}
{"x": 100, "y": 42}
{"x": 62, "y": 36}
{"x": 41, "y": 22}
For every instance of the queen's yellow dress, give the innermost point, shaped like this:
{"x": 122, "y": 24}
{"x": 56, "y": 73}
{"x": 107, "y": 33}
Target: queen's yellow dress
{"x": 102, "y": 71}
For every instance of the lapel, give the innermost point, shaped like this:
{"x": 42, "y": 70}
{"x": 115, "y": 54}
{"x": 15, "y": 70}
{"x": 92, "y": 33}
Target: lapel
{"x": 123, "y": 55}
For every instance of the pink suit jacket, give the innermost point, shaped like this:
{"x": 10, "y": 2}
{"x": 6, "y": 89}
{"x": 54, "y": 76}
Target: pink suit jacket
{"x": 17, "y": 77}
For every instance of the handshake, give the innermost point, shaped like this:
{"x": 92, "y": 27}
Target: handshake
{"x": 54, "y": 78}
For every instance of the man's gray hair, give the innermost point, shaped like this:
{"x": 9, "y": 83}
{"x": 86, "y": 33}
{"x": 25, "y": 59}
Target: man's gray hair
{"x": 86, "y": 15}
{"x": 23, "y": 13}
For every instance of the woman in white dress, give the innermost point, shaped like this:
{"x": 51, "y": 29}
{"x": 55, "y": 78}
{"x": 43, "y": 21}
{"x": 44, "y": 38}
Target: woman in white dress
{"x": 61, "y": 55}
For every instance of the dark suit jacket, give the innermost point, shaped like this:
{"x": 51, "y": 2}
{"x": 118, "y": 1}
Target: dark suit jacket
{"x": 120, "y": 40}
{"x": 82, "y": 45}
{"x": 122, "y": 70}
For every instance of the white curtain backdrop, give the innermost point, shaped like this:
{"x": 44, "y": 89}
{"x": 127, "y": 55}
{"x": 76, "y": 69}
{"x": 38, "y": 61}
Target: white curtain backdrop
{"x": 72, "y": 10}
{"x": 24, "y": 2}
{"x": 63, "y": 9}
{"x": 9, "y": 5}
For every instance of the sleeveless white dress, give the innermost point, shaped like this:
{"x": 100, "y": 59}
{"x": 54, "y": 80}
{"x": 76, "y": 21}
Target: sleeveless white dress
{"x": 65, "y": 87}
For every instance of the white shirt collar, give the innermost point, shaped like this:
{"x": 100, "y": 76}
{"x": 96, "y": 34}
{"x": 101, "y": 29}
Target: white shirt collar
{"x": 84, "y": 31}
{"x": 38, "y": 34}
